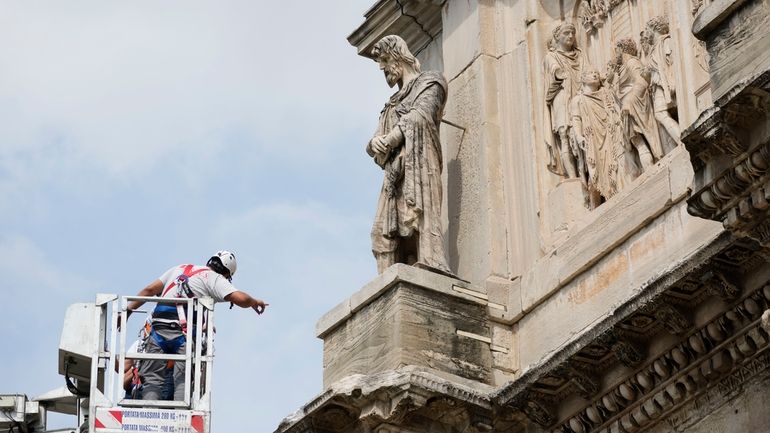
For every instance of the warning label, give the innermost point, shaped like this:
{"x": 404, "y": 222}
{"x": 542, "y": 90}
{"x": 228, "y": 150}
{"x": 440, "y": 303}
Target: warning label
{"x": 149, "y": 420}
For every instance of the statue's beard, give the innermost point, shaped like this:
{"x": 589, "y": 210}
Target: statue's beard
{"x": 392, "y": 75}
{"x": 568, "y": 44}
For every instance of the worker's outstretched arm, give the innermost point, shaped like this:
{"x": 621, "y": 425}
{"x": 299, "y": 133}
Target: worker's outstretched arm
{"x": 153, "y": 289}
{"x": 245, "y": 300}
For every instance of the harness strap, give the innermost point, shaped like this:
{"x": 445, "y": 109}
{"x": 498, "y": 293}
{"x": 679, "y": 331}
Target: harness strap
{"x": 136, "y": 380}
{"x": 182, "y": 318}
{"x": 136, "y": 384}
{"x": 184, "y": 288}
{"x": 186, "y": 271}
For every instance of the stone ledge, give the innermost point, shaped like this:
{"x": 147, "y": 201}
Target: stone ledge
{"x": 393, "y": 275}
{"x": 713, "y": 15}
{"x": 602, "y": 230}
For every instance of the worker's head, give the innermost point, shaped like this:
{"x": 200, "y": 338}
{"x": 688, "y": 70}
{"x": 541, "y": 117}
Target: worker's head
{"x": 223, "y": 263}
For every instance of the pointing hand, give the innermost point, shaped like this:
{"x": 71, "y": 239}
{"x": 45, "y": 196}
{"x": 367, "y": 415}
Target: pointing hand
{"x": 259, "y": 306}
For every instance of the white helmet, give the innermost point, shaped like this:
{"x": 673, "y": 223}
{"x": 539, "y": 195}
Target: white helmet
{"x": 228, "y": 261}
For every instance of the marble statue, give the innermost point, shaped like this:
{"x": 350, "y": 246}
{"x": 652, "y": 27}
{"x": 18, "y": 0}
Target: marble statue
{"x": 662, "y": 80}
{"x": 562, "y": 67}
{"x": 632, "y": 82}
{"x": 596, "y": 128}
{"x": 407, "y": 227}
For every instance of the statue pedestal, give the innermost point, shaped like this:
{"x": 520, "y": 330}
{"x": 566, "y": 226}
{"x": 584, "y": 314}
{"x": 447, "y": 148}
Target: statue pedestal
{"x": 408, "y": 317}
{"x": 566, "y": 204}
{"x": 405, "y": 348}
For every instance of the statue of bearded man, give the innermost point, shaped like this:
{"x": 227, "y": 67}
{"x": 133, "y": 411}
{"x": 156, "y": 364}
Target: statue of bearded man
{"x": 562, "y": 67}
{"x": 407, "y": 227}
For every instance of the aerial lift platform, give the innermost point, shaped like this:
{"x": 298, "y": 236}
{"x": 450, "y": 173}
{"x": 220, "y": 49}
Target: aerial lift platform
{"x": 92, "y": 353}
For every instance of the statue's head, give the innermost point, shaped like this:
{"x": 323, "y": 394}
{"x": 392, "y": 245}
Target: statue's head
{"x": 659, "y": 24}
{"x": 564, "y": 37}
{"x": 626, "y": 46}
{"x": 591, "y": 78}
{"x": 394, "y": 58}
{"x": 646, "y": 35}
{"x": 646, "y": 39}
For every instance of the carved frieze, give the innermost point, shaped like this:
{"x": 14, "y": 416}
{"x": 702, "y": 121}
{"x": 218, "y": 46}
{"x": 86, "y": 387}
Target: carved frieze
{"x": 604, "y": 128}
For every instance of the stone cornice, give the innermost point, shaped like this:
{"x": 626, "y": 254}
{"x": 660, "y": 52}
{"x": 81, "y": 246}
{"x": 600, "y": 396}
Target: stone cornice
{"x": 728, "y": 343}
{"x": 717, "y": 130}
{"x": 383, "y": 397}
{"x": 398, "y": 273}
{"x": 573, "y": 369}
{"x": 729, "y": 146}
{"x": 418, "y": 22}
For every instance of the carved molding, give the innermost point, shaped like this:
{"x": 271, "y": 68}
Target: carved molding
{"x": 724, "y": 136}
{"x": 671, "y": 317}
{"x": 534, "y": 407}
{"x": 728, "y": 345}
{"x": 651, "y": 388}
{"x": 720, "y": 130}
{"x": 418, "y": 22}
{"x": 717, "y": 284}
{"x": 384, "y": 399}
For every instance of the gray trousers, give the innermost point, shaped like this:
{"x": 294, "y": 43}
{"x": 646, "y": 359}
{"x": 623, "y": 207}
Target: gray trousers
{"x": 153, "y": 373}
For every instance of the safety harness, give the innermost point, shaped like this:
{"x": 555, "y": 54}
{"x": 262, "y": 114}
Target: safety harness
{"x": 178, "y": 312}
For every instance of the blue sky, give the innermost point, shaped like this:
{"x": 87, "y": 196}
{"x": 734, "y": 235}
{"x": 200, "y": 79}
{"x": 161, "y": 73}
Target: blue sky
{"x": 139, "y": 135}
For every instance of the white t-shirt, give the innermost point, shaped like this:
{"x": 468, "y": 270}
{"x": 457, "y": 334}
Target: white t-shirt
{"x": 203, "y": 282}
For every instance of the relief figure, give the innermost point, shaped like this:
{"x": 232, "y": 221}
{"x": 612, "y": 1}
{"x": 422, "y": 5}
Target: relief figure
{"x": 662, "y": 80}
{"x": 562, "y": 67}
{"x": 596, "y": 128}
{"x": 632, "y": 81}
{"x": 407, "y": 227}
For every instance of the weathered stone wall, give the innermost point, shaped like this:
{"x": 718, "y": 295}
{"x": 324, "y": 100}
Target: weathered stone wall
{"x": 506, "y": 227}
{"x": 638, "y": 311}
{"x": 408, "y": 317}
{"x": 478, "y": 209}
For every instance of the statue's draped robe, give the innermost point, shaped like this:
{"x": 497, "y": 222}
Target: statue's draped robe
{"x": 410, "y": 200}
{"x": 661, "y": 68}
{"x": 600, "y": 122}
{"x": 633, "y": 91}
{"x": 558, "y": 94}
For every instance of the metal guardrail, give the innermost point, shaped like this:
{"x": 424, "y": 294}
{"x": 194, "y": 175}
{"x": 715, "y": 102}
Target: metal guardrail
{"x": 106, "y": 385}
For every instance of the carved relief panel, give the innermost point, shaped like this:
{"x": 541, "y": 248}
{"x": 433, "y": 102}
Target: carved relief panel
{"x": 618, "y": 81}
